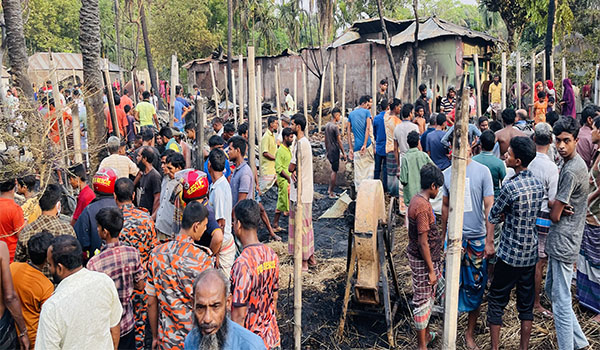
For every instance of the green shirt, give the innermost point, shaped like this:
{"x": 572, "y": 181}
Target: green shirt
{"x": 283, "y": 157}
{"x": 146, "y": 112}
{"x": 496, "y": 167}
{"x": 267, "y": 144}
{"x": 410, "y": 172}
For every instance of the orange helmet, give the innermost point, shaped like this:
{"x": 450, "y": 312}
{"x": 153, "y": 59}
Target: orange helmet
{"x": 195, "y": 185}
{"x": 104, "y": 181}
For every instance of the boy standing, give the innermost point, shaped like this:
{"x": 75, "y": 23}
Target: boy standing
{"x": 283, "y": 157}
{"x": 519, "y": 201}
{"x": 566, "y": 232}
{"x": 333, "y": 145}
{"x": 410, "y": 169}
{"x": 424, "y": 250}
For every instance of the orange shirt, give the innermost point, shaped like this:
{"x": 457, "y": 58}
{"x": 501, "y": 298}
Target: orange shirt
{"x": 11, "y": 223}
{"x": 539, "y": 111}
{"x": 33, "y": 289}
{"x": 54, "y": 129}
{"x": 121, "y": 119}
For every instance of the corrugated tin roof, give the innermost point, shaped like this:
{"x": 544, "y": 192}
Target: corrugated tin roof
{"x": 200, "y": 61}
{"x": 348, "y": 37}
{"x": 434, "y": 28}
{"x": 368, "y": 26}
{"x": 63, "y": 60}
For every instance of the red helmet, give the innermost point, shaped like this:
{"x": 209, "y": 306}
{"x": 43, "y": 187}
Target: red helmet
{"x": 195, "y": 185}
{"x": 104, "y": 181}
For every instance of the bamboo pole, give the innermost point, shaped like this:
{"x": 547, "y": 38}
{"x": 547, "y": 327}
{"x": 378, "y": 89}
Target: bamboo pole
{"x": 533, "y": 77}
{"x": 74, "y": 77}
{"x": 552, "y": 67}
{"x": 298, "y": 254}
{"x": 111, "y": 102}
{"x": 173, "y": 87}
{"x": 133, "y": 89}
{"x": 76, "y": 134}
{"x": 518, "y": 89}
{"x": 402, "y": 80}
{"x": 295, "y": 92}
{"x": 597, "y": 82}
{"x": 504, "y": 82}
{"x": 226, "y": 90}
{"x": 434, "y": 87}
{"x": 419, "y": 77}
{"x": 344, "y": 101}
{"x": 241, "y": 92}
{"x": 214, "y": 85}
{"x": 259, "y": 100}
{"x": 277, "y": 100}
{"x": 304, "y": 92}
{"x": 544, "y": 75}
{"x": 564, "y": 68}
{"x": 251, "y": 109}
{"x": 374, "y": 87}
{"x": 56, "y": 94}
{"x": 322, "y": 90}
{"x": 200, "y": 121}
{"x": 332, "y": 84}
{"x": 455, "y": 226}
{"x": 233, "y": 90}
{"x": 477, "y": 84}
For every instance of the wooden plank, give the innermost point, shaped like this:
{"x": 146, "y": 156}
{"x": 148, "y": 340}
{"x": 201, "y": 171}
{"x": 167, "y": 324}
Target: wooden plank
{"x": 419, "y": 78}
{"x": 477, "y": 84}
{"x": 503, "y": 80}
{"x": 133, "y": 89}
{"x": 241, "y": 92}
{"x": 295, "y": 92}
{"x": 532, "y": 77}
{"x": 214, "y": 85}
{"x": 111, "y": 102}
{"x": 455, "y": 224}
{"x": 434, "y": 87}
{"x": 374, "y": 87}
{"x": 277, "y": 100}
{"x": 298, "y": 255}
{"x": 304, "y": 93}
{"x": 518, "y": 70}
{"x": 259, "y": 99}
{"x": 332, "y": 84}
{"x": 552, "y": 68}
{"x": 349, "y": 275}
{"x": 200, "y": 124}
{"x": 343, "y": 117}
{"x": 402, "y": 80}
{"x": 226, "y": 91}
{"x": 76, "y": 134}
{"x": 544, "y": 74}
{"x": 251, "y": 109}
{"x": 564, "y": 68}
{"x": 322, "y": 90}
{"x": 173, "y": 86}
{"x": 233, "y": 91}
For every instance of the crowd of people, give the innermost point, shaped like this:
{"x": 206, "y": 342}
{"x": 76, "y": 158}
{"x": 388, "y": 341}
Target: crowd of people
{"x": 163, "y": 250}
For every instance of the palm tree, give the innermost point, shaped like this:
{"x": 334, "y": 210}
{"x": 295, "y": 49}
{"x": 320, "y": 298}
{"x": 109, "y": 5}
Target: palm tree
{"x": 17, "y": 51}
{"x": 151, "y": 68}
{"x": 89, "y": 41}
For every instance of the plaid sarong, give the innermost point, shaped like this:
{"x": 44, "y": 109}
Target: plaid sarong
{"x": 424, "y": 295}
{"x": 392, "y": 179}
{"x": 308, "y": 237}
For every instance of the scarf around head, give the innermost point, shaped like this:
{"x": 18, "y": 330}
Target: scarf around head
{"x": 535, "y": 90}
{"x": 569, "y": 98}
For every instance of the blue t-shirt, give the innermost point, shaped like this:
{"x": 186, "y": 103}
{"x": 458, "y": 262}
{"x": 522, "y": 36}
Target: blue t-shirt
{"x": 424, "y": 138}
{"x": 226, "y": 171}
{"x": 379, "y": 132}
{"x": 358, "y": 121}
{"x": 179, "y": 123}
{"x": 242, "y": 181}
{"x": 478, "y": 186}
{"x": 437, "y": 151}
{"x": 183, "y": 101}
{"x": 238, "y": 338}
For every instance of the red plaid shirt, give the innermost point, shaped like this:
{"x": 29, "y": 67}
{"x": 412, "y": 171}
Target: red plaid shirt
{"x": 122, "y": 264}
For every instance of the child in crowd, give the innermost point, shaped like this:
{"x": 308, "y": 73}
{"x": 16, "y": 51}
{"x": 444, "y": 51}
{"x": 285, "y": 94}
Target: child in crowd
{"x": 540, "y": 108}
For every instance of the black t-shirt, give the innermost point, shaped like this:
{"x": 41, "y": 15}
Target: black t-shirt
{"x": 149, "y": 184}
{"x": 331, "y": 141}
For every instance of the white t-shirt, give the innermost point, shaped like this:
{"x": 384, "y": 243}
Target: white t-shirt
{"x": 401, "y": 132}
{"x": 306, "y": 170}
{"x": 290, "y": 105}
{"x": 80, "y": 313}
{"x": 122, "y": 165}
{"x": 220, "y": 200}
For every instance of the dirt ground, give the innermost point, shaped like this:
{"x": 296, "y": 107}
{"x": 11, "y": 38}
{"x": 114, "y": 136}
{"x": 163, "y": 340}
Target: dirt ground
{"x": 323, "y": 295}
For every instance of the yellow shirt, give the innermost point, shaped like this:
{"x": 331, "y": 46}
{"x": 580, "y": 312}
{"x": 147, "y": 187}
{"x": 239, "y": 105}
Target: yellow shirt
{"x": 31, "y": 210}
{"x": 146, "y": 112}
{"x": 496, "y": 92}
{"x": 267, "y": 144}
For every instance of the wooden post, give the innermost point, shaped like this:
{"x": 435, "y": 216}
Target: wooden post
{"x": 133, "y": 89}
{"x": 233, "y": 90}
{"x": 226, "y": 91}
{"x": 434, "y": 87}
{"x": 241, "y": 81}
{"x": 200, "y": 124}
{"x": 111, "y": 102}
{"x": 596, "y": 87}
{"x": 321, "y": 91}
{"x": 533, "y": 77}
{"x": 412, "y": 88}
{"x": 564, "y": 68}
{"x": 552, "y": 67}
{"x": 544, "y": 76}
{"x": 56, "y": 94}
{"x": 173, "y": 87}
{"x": 298, "y": 255}
{"x": 76, "y": 134}
{"x": 402, "y": 80}
{"x": 455, "y": 224}
{"x": 419, "y": 77}
{"x": 304, "y": 93}
{"x": 518, "y": 69}
{"x": 259, "y": 99}
{"x": 344, "y": 101}
{"x": 214, "y": 85}
{"x": 251, "y": 109}
{"x": 504, "y": 82}
{"x": 374, "y": 87}
{"x": 477, "y": 84}
{"x": 295, "y": 92}
{"x": 74, "y": 77}
{"x": 332, "y": 85}
{"x": 277, "y": 100}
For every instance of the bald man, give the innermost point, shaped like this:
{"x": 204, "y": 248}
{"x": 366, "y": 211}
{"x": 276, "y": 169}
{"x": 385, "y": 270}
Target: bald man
{"x": 522, "y": 123}
{"x": 213, "y": 330}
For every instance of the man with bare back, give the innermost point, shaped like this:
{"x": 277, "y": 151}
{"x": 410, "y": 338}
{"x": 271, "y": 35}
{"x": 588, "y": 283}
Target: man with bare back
{"x": 10, "y": 308}
{"x": 508, "y": 132}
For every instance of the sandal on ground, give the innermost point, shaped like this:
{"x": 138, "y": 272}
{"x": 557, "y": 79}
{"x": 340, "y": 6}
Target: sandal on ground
{"x": 432, "y": 334}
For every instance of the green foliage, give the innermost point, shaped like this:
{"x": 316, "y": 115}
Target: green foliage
{"x": 537, "y": 13}
{"x": 52, "y": 24}
{"x": 181, "y": 26}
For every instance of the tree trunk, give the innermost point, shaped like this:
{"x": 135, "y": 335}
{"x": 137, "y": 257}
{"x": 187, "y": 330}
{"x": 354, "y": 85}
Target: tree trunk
{"x": 388, "y": 48}
{"x": 151, "y": 69}
{"x": 229, "y": 48}
{"x": 416, "y": 43}
{"x": 549, "y": 37}
{"x": 17, "y": 51}
{"x": 325, "y": 19}
{"x": 118, "y": 48}
{"x": 89, "y": 41}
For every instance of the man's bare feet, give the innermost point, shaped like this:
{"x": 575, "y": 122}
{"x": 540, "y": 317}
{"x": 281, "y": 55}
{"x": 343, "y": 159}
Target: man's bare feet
{"x": 596, "y": 319}
{"x": 304, "y": 266}
{"x": 312, "y": 261}
{"x": 276, "y": 237}
{"x": 545, "y": 313}
{"x": 470, "y": 343}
